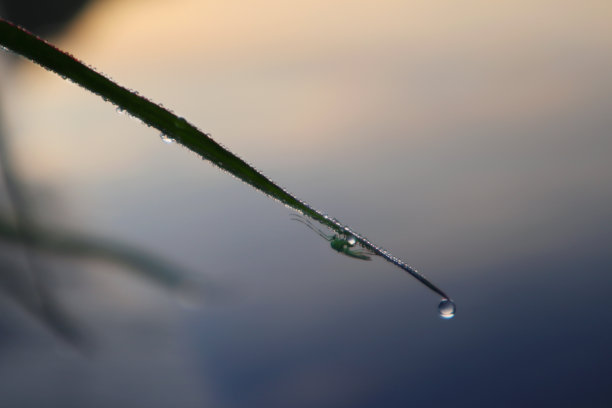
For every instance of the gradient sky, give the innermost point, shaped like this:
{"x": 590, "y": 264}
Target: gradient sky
{"x": 472, "y": 139}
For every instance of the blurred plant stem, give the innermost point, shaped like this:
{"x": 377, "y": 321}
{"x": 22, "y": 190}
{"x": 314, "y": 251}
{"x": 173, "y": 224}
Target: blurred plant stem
{"x": 28, "y": 283}
{"x": 29, "y": 288}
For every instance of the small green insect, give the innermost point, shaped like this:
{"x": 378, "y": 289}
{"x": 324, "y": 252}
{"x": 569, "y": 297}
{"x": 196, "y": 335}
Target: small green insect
{"x": 341, "y": 243}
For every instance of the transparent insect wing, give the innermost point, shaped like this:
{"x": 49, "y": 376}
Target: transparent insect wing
{"x": 359, "y": 254}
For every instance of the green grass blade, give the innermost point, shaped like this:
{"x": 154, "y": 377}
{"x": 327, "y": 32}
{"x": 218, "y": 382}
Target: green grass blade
{"x": 49, "y": 57}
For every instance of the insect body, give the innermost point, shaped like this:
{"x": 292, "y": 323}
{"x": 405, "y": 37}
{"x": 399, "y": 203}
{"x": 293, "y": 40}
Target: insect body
{"x": 341, "y": 243}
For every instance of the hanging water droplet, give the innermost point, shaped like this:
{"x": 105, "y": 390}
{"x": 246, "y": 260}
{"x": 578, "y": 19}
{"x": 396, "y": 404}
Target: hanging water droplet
{"x": 166, "y": 139}
{"x": 351, "y": 241}
{"x": 181, "y": 123}
{"x": 446, "y": 309}
{"x": 120, "y": 111}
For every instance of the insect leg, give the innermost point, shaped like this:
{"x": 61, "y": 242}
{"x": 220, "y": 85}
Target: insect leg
{"x": 299, "y": 218}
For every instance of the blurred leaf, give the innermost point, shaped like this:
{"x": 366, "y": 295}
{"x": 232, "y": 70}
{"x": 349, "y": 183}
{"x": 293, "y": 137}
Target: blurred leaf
{"x": 80, "y": 246}
{"x": 39, "y": 302}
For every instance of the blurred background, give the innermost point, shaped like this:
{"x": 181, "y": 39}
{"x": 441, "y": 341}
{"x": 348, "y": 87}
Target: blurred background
{"x": 472, "y": 139}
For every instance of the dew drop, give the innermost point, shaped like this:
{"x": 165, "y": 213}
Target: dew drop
{"x": 351, "y": 241}
{"x": 446, "y": 309}
{"x": 181, "y": 123}
{"x": 166, "y": 139}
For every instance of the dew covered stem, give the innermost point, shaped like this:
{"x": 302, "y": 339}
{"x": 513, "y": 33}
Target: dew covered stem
{"x": 173, "y": 127}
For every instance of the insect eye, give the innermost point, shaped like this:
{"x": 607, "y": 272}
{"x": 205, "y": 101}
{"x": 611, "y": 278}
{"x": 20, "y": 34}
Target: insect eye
{"x": 351, "y": 241}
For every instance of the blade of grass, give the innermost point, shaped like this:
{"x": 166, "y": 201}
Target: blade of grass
{"x": 80, "y": 246}
{"x": 28, "y": 285}
{"x": 20, "y": 206}
{"x": 43, "y": 306}
{"x": 30, "y": 46}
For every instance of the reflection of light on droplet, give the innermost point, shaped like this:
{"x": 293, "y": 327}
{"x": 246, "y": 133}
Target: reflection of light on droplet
{"x": 351, "y": 240}
{"x": 446, "y": 309}
{"x": 166, "y": 139}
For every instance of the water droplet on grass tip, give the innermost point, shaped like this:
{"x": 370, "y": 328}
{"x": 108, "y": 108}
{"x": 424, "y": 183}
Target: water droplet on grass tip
{"x": 166, "y": 139}
{"x": 446, "y": 309}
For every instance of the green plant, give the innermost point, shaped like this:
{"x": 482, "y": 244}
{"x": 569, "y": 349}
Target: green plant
{"x": 174, "y": 127}
{"x": 27, "y": 281}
